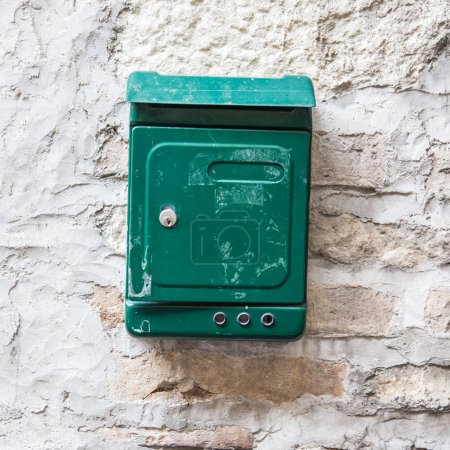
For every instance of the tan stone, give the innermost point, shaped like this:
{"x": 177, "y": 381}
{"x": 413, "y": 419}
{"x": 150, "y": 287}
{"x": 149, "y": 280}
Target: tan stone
{"x": 412, "y": 387}
{"x": 112, "y": 223}
{"x": 137, "y": 378}
{"x": 117, "y": 434}
{"x": 438, "y": 182}
{"x": 220, "y": 438}
{"x": 276, "y": 378}
{"x": 349, "y": 311}
{"x": 112, "y": 157}
{"x": 109, "y": 301}
{"x": 358, "y": 160}
{"x": 437, "y": 310}
{"x": 348, "y": 240}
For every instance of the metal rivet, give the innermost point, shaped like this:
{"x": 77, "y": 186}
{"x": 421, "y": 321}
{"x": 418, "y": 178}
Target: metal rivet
{"x": 167, "y": 217}
{"x": 267, "y": 319}
{"x": 220, "y": 318}
{"x": 243, "y": 319}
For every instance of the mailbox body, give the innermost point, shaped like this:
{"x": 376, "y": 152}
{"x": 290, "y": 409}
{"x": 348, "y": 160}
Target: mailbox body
{"x": 231, "y": 157}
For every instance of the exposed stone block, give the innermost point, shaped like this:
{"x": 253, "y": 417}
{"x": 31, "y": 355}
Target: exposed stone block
{"x": 109, "y": 301}
{"x": 347, "y": 240}
{"x": 438, "y": 183}
{"x": 112, "y": 222}
{"x": 112, "y": 157}
{"x": 349, "y": 311}
{"x": 357, "y": 160}
{"x": 277, "y": 378}
{"x": 437, "y": 310}
{"x": 411, "y": 387}
{"x": 220, "y": 438}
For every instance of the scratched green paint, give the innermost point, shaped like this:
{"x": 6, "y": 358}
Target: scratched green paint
{"x": 288, "y": 91}
{"x": 240, "y": 192}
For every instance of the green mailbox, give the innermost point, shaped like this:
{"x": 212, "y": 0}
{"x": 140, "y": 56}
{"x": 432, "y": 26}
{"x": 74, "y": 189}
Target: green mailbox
{"x": 219, "y": 176}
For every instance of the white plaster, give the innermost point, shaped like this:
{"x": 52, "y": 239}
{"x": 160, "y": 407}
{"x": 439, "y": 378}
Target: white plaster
{"x": 381, "y": 78}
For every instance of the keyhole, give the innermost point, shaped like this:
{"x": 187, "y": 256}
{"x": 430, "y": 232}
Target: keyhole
{"x": 168, "y": 217}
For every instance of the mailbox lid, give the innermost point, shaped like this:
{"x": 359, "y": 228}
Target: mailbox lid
{"x": 250, "y": 187}
{"x": 288, "y": 91}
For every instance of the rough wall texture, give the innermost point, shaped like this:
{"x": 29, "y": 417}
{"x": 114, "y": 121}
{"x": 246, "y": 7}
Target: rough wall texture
{"x": 373, "y": 371}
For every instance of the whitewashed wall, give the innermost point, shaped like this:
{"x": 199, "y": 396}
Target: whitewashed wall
{"x": 373, "y": 371}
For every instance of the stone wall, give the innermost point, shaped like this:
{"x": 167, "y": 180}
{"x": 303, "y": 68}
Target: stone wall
{"x": 373, "y": 371}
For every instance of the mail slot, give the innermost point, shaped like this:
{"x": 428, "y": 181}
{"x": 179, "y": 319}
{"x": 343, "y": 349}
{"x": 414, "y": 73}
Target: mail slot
{"x": 219, "y": 176}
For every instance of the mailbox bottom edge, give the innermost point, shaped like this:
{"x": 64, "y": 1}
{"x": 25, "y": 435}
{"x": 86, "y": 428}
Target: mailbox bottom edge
{"x": 249, "y": 322}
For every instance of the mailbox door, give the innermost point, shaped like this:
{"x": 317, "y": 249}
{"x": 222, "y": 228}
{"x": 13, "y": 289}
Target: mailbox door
{"x": 241, "y": 201}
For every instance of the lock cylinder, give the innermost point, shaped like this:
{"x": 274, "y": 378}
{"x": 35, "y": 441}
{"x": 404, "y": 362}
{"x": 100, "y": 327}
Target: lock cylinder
{"x": 168, "y": 217}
